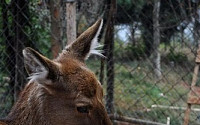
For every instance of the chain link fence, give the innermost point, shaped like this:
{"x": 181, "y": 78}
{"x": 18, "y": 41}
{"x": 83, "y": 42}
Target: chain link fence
{"x": 152, "y": 74}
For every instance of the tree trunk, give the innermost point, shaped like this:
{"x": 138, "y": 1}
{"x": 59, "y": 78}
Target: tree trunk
{"x": 132, "y": 28}
{"x": 147, "y": 32}
{"x": 55, "y": 27}
{"x": 156, "y": 38}
{"x": 196, "y": 29}
{"x": 71, "y": 21}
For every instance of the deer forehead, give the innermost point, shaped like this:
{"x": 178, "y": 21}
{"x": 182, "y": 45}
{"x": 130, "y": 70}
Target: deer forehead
{"x": 78, "y": 77}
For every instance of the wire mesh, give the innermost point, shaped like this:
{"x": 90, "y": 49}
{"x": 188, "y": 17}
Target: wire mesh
{"x": 138, "y": 92}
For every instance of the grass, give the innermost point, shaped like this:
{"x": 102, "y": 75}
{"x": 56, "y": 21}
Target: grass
{"x": 5, "y": 98}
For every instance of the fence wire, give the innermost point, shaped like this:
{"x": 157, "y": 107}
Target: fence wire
{"x": 138, "y": 91}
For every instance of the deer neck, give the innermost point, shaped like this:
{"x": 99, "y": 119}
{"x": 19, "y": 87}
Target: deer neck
{"x": 29, "y": 109}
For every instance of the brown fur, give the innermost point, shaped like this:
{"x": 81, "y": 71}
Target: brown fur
{"x": 69, "y": 85}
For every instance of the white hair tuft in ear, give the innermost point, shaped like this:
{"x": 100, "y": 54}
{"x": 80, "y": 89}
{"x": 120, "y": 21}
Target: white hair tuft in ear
{"x": 95, "y": 45}
{"x": 38, "y": 76}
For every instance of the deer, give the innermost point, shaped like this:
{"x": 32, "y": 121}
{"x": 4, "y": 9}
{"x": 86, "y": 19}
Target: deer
{"x": 62, "y": 91}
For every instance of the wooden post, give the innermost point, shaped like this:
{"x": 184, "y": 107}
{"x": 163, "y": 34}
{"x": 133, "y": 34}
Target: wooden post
{"x": 55, "y": 27}
{"x": 192, "y": 96}
{"x": 187, "y": 114}
{"x": 71, "y": 20}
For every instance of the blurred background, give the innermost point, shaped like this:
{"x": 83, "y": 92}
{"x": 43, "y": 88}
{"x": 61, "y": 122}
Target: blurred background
{"x": 150, "y": 45}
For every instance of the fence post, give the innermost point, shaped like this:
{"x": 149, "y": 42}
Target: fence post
{"x": 109, "y": 43}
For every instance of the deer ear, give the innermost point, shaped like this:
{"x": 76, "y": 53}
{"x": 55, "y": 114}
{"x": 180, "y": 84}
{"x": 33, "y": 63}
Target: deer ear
{"x": 87, "y": 43}
{"x": 38, "y": 66}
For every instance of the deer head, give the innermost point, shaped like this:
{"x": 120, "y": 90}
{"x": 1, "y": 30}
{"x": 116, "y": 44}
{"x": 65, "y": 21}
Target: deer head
{"x": 62, "y": 91}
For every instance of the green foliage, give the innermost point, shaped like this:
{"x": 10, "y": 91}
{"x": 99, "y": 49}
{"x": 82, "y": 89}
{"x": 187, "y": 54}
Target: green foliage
{"x": 8, "y": 1}
{"x": 127, "y": 9}
{"x": 129, "y": 4}
{"x": 126, "y": 3}
{"x": 36, "y": 35}
{"x": 136, "y": 51}
{"x": 5, "y": 95}
{"x": 129, "y": 51}
{"x": 39, "y": 33}
{"x": 176, "y": 57}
